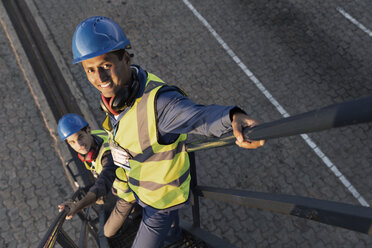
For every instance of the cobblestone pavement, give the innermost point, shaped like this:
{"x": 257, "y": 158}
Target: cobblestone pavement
{"x": 306, "y": 54}
{"x": 32, "y": 181}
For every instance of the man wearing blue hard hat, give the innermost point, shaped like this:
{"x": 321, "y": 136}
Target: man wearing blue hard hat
{"x": 148, "y": 122}
{"x": 94, "y": 151}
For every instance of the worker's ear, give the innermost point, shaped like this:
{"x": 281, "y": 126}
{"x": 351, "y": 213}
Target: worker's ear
{"x": 127, "y": 57}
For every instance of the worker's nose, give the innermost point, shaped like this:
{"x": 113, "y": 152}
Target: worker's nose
{"x": 103, "y": 75}
{"x": 81, "y": 144}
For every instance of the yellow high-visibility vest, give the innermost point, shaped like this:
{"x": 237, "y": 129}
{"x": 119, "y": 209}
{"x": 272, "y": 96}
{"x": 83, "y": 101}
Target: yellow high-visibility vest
{"x": 97, "y": 165}
{"x": 121, "y": 186}
{"x": 159, "y": 174}
{"x": 121, "y": 182}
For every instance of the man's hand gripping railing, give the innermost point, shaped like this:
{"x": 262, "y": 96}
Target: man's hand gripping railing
{"x": 336, "y": 115}
{"x": 55, "y": 229}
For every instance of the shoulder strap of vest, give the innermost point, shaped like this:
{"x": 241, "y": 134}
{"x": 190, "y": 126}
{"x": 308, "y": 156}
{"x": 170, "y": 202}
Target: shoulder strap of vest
{"x": 98, "y": 132}
{"x": 153, "y": 81}
{"x": 104, "y": 146}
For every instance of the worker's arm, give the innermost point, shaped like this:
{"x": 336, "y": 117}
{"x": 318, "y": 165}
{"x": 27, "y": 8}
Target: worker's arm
{"x": 178, "y": 114}
{"x": 106, "y": 178}
{"x": 75, "y": 207}
{"x": 100, "y": 188}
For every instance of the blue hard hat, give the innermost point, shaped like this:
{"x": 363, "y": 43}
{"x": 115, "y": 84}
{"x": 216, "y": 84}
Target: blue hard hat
{"x": 95, "y": 36}
{"x": 70, "y": 124}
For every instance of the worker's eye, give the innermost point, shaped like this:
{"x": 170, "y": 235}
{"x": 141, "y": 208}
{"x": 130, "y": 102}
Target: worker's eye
{"x": 89, "y": 71}
{"x": 106, "y": 66}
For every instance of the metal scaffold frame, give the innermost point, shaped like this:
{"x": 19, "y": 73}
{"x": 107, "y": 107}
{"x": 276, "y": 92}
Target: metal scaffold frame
{"x": 352, "y": 217}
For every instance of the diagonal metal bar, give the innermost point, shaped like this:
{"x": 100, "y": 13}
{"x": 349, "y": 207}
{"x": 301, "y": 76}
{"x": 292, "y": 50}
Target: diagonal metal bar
{"x": 55, "y": 232}
{"x": 336, "y": 115}
{"x": 65, "y": 240}
{"x": 352, "y": 217}
{"x": 51, "y": 235}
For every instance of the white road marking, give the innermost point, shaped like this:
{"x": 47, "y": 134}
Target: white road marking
{"x": 281, "y": 110}
{"x": 354, "y": 21}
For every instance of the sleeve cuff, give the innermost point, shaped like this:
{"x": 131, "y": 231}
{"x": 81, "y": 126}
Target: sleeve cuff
{"x": 235, "y": 110}
{"x": 228, "y": 116}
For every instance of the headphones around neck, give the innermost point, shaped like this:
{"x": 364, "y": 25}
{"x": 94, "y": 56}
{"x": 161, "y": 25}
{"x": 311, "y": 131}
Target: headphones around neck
{"x": 89, "y": 157}
{"x": 124, "y": 98}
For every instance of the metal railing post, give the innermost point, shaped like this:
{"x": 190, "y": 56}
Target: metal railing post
{"x": 84, "y": 230}
{"x": 195, "y": 194}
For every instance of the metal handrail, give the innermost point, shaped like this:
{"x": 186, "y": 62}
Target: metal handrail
{"x": 352, "y": 217}
{"x": 356, "y": 218}
{"x": 336, "y": 115}
{"x": 55, "y": 231}
{"x": 51, "y": 235}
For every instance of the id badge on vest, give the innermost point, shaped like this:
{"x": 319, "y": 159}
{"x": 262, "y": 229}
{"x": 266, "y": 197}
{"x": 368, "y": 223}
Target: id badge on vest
{"x": 120, "y": 155}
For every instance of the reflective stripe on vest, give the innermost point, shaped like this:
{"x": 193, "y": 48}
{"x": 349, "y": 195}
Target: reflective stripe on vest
{"x": 104, "y": 147}
{"x": 159, "y": 174}
{"x": 121, "y": 186}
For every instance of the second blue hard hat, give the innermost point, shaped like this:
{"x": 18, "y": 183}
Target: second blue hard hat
{"x": 95, "y": 36}
{"x": 70, "y": 124}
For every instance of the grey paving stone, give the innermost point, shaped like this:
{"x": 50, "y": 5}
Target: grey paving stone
{"x": 20, "y": 213}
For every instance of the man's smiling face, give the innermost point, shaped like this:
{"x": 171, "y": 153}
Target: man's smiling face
{"x": 108, "y": 73}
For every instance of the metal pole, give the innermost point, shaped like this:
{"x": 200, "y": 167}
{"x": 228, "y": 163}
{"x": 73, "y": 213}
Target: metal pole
{"x": 337, "y": 115}
{"x": 195, "y": 193}
{"x": 51, "y": 235}
{"x": 84, "y": 230}
{"x": 356, "y": 218}
{"x": 65, "y": 240}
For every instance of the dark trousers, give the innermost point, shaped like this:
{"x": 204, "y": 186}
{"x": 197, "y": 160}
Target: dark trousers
{"x": 157, "y": 229}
